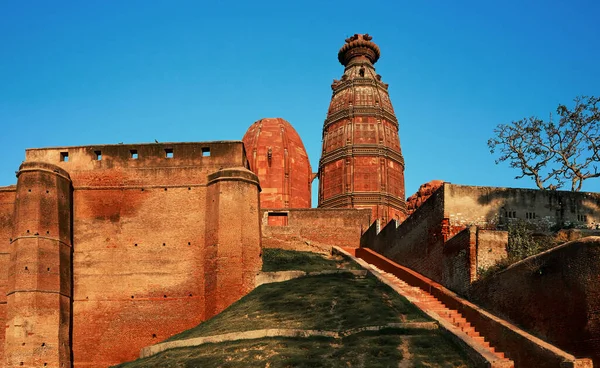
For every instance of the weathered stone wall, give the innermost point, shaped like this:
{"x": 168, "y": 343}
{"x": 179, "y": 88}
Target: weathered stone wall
{"x": 555, "y": 295}
{"x": 7, "y": 209}
{"x": 420, "y": 242}
{"x": 155, "y": 251}
{"x": 417, "y": 242}
{"x": 491, "y": 247}
{"x": 39, "y": 292}
{"x": 490, "y": 207}
{"x": 459, "y": 259}
{"x": 315, "y": 229}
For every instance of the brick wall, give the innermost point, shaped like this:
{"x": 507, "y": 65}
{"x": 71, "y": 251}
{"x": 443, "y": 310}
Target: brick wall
{"x": 315, "y": 229}
{"x": 418, "y": 241}
{"x": 491, "y": 247}
{"x": 7, "y": 208}
{"x": 154, "y": 253}
{"x": 459, "y": 259}
{"x": 554, "y": 295}
{"x": 490, "y": 207}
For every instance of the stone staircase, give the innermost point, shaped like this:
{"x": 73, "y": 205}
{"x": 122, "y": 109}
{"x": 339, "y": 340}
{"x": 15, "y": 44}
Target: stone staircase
{"x": 448, "y": 318}
{"x": 428, "y": 303}
{"x": 477, "y": 330}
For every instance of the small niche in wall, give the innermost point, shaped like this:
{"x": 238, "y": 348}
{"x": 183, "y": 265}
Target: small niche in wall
{"x": 64, "y": 156}
{"x": 277, "y": 219}
{"x": 98, "y": 155}
{"x": 133, "y": 154}
{"x": 205, "y": 152}
{"x": 530, "y": 215}
{"x": 169, "y": 152}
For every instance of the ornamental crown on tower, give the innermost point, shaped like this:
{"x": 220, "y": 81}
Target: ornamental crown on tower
{"x": 359, "y": 47}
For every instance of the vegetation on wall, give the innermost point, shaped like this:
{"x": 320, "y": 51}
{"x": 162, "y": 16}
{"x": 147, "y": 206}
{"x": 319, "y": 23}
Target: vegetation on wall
{"x": 523, "y": 242}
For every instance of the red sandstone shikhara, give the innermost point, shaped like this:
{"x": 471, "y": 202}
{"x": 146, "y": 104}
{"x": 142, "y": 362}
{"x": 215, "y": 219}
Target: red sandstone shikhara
{"x": 362, "y": 165}
{"x": 107, "y": 249}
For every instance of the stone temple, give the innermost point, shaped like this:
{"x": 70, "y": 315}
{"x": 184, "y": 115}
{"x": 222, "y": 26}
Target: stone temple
{"x": 107, "y": 249}
{"x": 361, "y": 164}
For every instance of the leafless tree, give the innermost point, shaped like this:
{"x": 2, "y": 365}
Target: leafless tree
{"x": 552, "y": 153}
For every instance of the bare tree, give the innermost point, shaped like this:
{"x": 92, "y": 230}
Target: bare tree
{"x": 553, "y": 153}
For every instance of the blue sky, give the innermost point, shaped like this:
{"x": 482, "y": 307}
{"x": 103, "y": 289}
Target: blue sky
{"x": 103, "y": 72}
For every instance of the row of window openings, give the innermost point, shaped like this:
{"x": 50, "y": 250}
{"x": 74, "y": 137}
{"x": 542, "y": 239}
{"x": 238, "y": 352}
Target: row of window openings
{"x": 513, "y": 214}
{"x": 133, "y": 154}
{"x": 532, "y": 216}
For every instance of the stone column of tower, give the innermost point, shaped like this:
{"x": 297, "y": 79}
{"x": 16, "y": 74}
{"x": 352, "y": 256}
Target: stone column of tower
{"x": 361, "y": 164}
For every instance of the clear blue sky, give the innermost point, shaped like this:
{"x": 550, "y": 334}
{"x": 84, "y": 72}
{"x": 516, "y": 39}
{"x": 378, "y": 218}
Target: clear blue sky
{"x": 103, "y": 72}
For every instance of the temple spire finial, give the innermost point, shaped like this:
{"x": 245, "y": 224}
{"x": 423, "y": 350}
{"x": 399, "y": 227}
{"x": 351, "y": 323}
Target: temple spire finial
{"x": 359, "y": 46}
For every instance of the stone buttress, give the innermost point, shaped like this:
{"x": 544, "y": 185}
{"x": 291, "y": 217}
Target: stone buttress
{"x": 39, "y": 294}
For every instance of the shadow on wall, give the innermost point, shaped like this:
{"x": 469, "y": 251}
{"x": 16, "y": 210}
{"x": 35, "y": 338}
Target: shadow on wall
{"x": 545, "y": 209}
{"x": 555, "y": 295}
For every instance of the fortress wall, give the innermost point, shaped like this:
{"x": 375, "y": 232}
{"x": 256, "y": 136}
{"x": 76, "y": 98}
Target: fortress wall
{"x": 233, "y": 241}
{"x": 138, "y": 269}
{"x": 128, "y": 170}
{"x": 7, "y": 208}
{"x": 39, "y": 272}
{"x": 314, "y": 229}
{"x": 554, "y": 295}
{"x": 139, "y": 228}
{"x": 458, "y": 263}
{"x": 417, "y": 242}
{"x": 490, "y": 206}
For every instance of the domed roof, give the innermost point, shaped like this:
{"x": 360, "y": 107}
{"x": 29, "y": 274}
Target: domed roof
{"x": 277, "y": 156}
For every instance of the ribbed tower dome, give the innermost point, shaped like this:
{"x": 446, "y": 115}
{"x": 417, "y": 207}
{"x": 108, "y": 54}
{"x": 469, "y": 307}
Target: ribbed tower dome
{"x": 361, "y": 164}
{"x": 277, "y": 156}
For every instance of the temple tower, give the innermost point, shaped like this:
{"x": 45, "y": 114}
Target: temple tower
{"x": 361, "y": 164}
{"x": 277, "y": 156}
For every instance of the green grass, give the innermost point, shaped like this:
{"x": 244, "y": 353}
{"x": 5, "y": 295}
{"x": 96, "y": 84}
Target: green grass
{"x": 327, "y": 302}
{"x": 334, "y": 302}
{"x": 289, "y": 260}
{"x": 361, "y": 350}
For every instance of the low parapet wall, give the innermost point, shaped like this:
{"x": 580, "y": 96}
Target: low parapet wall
{"x": 523, "y": 348}
{"x": 313, "y": 229}
{"x": 554, "y": 294}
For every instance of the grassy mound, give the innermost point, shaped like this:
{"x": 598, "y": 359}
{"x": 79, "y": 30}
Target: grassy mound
{"x": 326, "y": 302}
{"x": 362, "y": 350}
{"x": 334, "y": 302}
{"x": 289, "y": 260}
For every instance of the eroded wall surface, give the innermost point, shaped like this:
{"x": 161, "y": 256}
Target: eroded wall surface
{"x": 490, "y": 207}
{"x": 7, "y": 208}
{"x": 142, "y": 259}
{"x": 417, "y": 242}
{"x": 424, "y": 241}
{"x": 315, "y": 229}
{"x": 555, "y": 295}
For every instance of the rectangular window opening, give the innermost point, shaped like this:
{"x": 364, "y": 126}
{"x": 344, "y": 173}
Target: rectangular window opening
{"x": 205, "y": 152}
{"x": 64, "y": 156}
{"x": 98, "y": 155}
{"x": 277, "y": 219}
{"x": 168, "y": 152}
{"x": 133, "y": 154}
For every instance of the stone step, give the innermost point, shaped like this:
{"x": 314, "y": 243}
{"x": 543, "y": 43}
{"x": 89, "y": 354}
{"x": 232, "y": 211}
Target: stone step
{"x": 426, "y": 301}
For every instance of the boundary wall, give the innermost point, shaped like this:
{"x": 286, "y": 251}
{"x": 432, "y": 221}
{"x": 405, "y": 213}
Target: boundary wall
{"x": 424, "y": 241}
{"x": 150, "y": 240}
{"x": 524, "y": 349}
{"x": 313, "y": 229}
{"x": 554, "y": 294}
